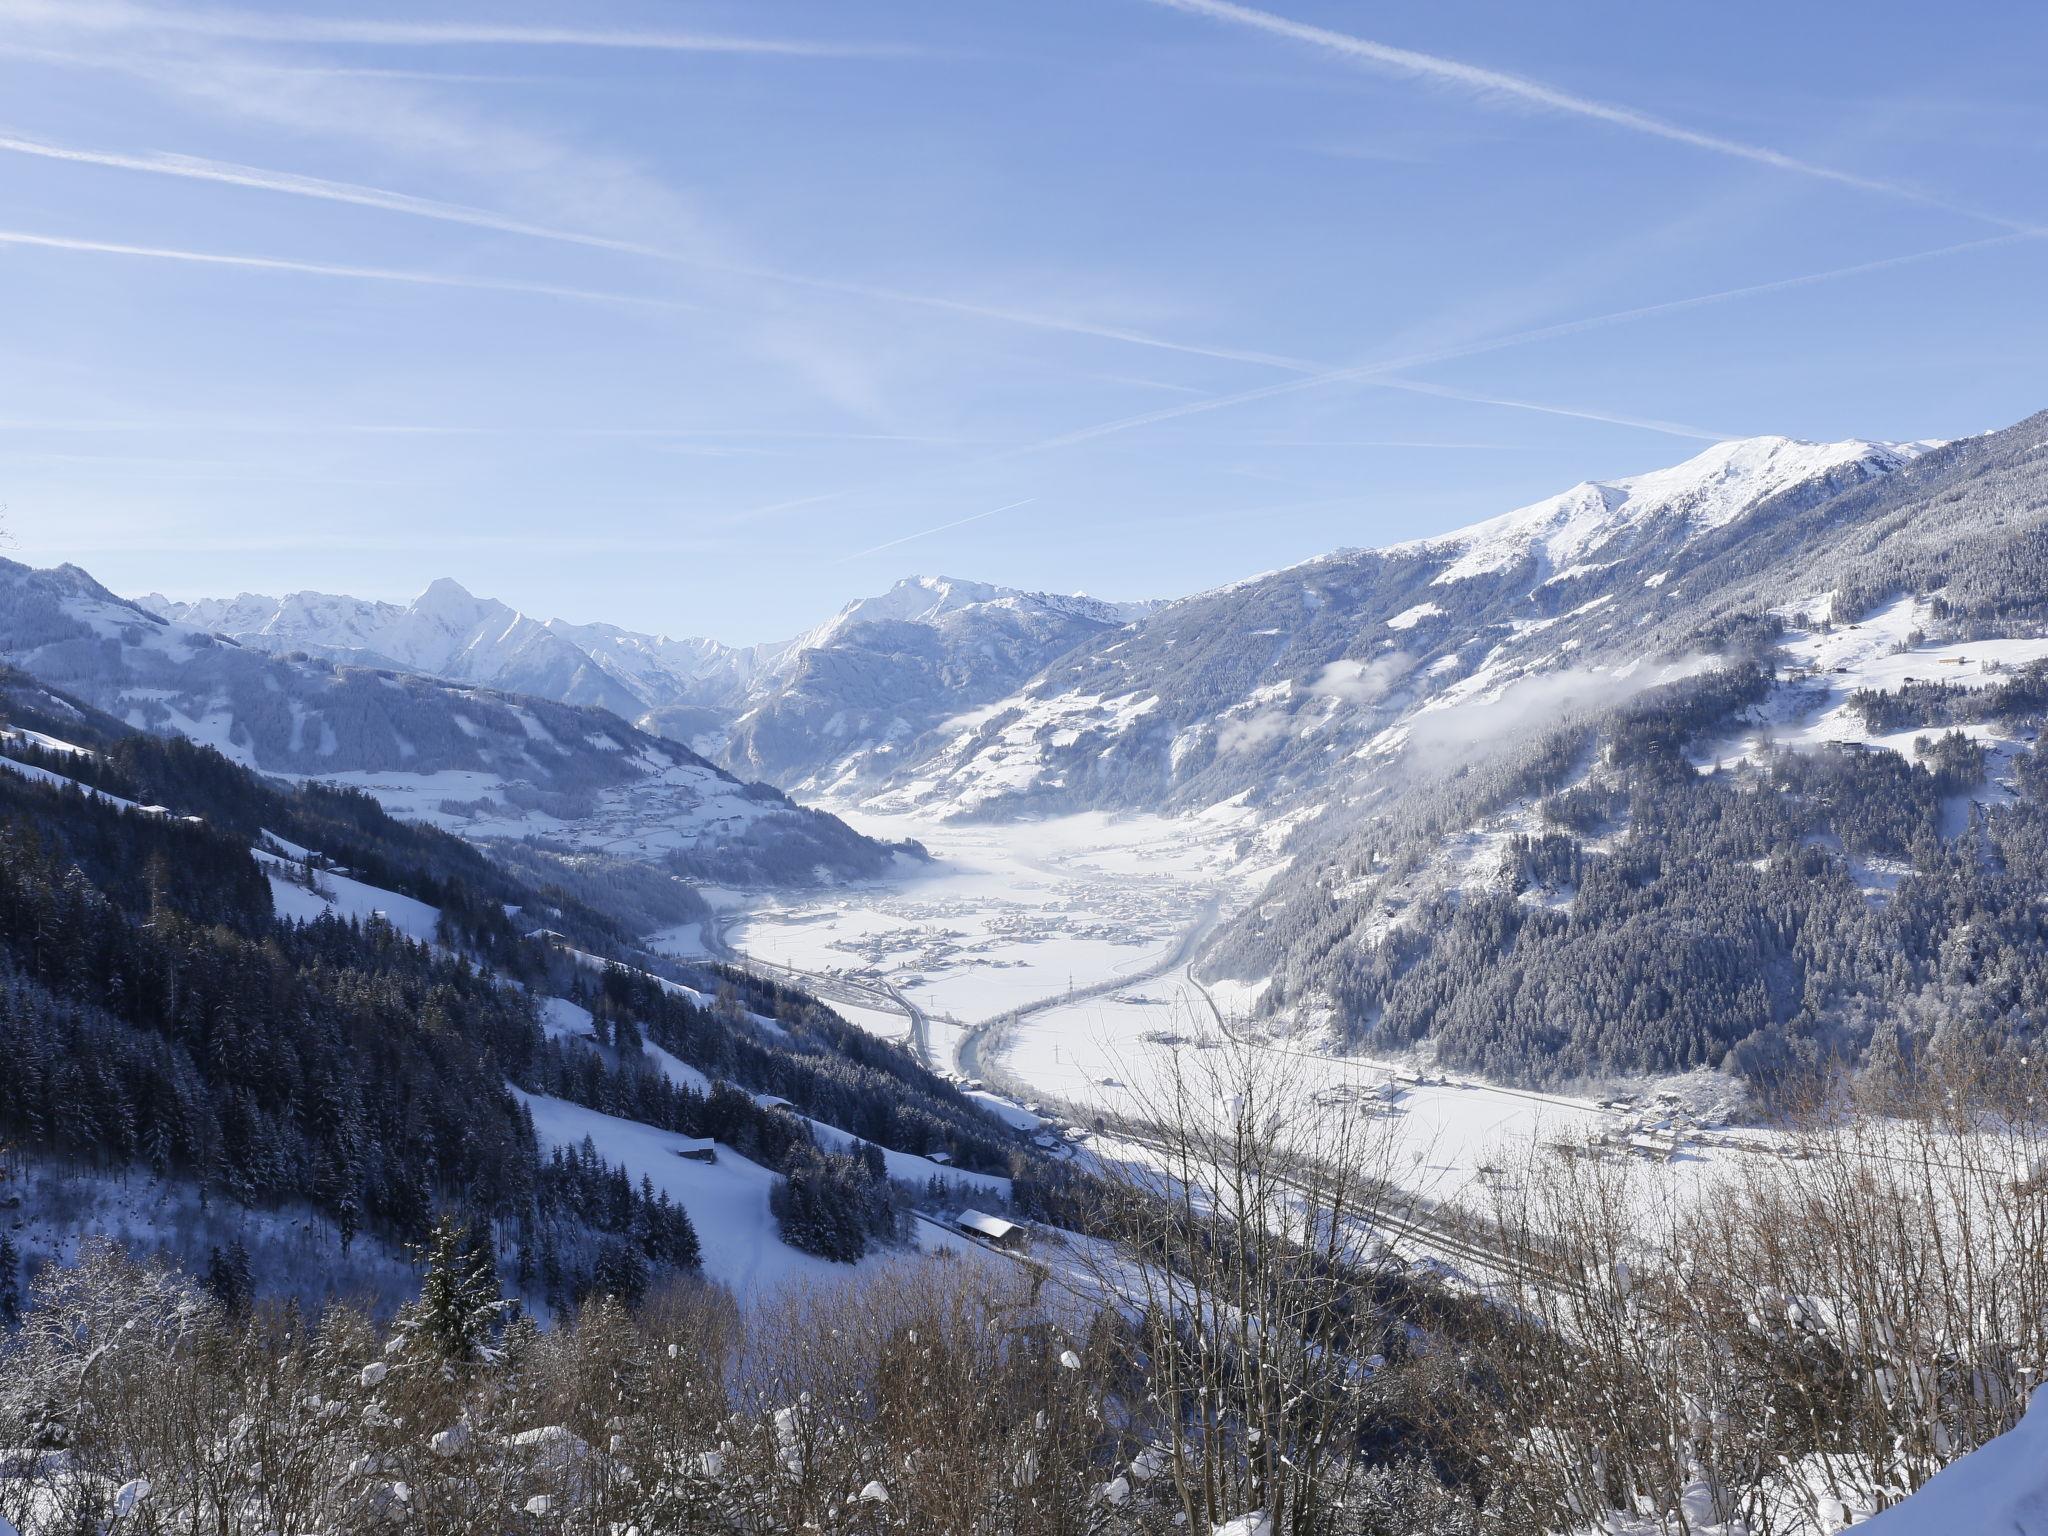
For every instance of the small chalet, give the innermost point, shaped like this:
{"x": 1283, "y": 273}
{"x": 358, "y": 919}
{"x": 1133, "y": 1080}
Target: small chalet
{"x": 1010, "y": 1236}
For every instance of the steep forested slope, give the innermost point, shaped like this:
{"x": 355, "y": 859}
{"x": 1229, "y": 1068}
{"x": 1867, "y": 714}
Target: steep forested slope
{"x": 1826, "y": 841}
{"x": 1284, "y": 688}
{"x": 159, "y": 1011}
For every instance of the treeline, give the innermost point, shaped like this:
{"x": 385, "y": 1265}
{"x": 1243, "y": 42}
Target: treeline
{"x": 827, "y": 1068}
{"x": 155, "y": 1012}
{"x": 348, "y": 826}
{"x": 1920, "y": 703}
{"x": 332, "y": 1064}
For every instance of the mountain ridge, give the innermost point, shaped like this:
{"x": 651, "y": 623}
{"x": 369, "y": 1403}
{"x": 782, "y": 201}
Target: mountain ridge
{"x": 753, "y": 708}
{"x": 478, "y": 761}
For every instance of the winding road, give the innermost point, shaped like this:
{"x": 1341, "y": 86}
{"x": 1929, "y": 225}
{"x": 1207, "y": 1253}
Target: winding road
{"x": 1427, "y": 1229}
{"x": 968, "y": 1053}
{"x": 968, "y": 1050}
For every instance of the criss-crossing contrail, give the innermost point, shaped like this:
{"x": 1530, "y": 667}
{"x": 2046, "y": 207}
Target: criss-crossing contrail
{"x": 926, "y": 533}
{"x": 292, "y": 184}
{"x": 1494, "y": 84}
{"x": 1379, "y": 370}
{"x": 227, "y": 173}
{"x": 1576, "y": 413}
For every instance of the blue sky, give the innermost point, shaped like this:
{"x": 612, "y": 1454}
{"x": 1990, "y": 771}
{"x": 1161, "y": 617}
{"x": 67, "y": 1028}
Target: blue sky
{"x": 704, "y": 318}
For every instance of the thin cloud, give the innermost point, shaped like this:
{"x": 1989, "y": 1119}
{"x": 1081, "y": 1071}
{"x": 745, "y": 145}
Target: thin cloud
{"x": 288, "y": 183}
{"x": 1389, "y": 442}
{"x": 324, "y": 427}
{"x": 226, "y": 173}
{"x": 33, "y": 240}
{"x": 926, "y": 533}
{"x": 1375, "y": 372}
{"x": 248, "y": 27}
{"x": 1497, "y": 85}
{"x": 1611, "y": 418}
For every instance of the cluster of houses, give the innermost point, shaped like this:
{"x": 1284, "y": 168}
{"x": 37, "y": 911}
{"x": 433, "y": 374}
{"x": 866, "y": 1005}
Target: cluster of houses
{"x": 1658, "y": 1130}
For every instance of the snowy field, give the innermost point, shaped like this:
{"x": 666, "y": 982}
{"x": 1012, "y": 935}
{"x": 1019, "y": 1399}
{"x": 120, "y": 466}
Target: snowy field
{"x": 344, "y": 898}
{"x": 1009, "y": 915}
{"x": 727, "y": 1200}
{"x": 1021, "y": 913}
{"x": 1440, "y": 1138}
{"x": 1879, "y": 652}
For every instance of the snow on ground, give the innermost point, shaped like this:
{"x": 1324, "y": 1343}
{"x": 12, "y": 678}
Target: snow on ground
{"x": 1709, "y": 491}
{"x": 294, "y": 1250}
{"x": 727, "y": 1200}
{"x": 672, "y": 807}
{"x": 561, "y": 1019}
{"x": 287, "y": 847}
{"x": 1408, "y": 618}
{"x": 1020, "y": 913}
{"x": 883, "y": 1023}
{"x": 685, "y": 941}
{"x": 908, "y": 1166}
{"x": 1998, "y": 1488}
{"x": 1003, "y": 1109}
{"x": 44, "y": 776}
{"x": 1009, "y": 914}
{"x": 1441, "y": 1139}
{"x": 345, "y": 898}
{"x": 1811, "y": 708}
{"x": 974, "y": 771}
{"x": 27, "y": 737}
{"x": 675, "y": 1069}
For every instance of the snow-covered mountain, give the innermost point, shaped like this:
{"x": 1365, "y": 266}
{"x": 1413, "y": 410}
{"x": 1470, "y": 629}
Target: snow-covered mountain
{"x": 1289, "y": 688}
{"x": 483, "y": 762}
{"x": 445, "y": 632}
{"x": 847, "y": 700}
{"x": 804, "y": 712}
{"x": 1563, "y": 533}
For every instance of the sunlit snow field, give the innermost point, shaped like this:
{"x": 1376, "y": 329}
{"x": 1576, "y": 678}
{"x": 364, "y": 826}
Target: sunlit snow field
{"x": 1022, "y": 913}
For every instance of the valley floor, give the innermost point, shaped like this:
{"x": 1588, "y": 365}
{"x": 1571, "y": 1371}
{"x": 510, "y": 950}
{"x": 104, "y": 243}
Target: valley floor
{"x": 1051, "y": 958}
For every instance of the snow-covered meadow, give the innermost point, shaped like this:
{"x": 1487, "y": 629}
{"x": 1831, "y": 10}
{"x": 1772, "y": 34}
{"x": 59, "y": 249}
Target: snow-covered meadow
{"x": 1009, "y": 914}
{"x": 1095, "y": 908}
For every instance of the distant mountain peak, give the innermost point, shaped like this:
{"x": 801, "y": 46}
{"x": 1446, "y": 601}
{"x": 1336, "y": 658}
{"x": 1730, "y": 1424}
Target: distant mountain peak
{"x": 443, "y": 591}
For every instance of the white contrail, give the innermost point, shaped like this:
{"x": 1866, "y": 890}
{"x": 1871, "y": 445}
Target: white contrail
{"x": 17, "y": 237}
{"x": 1377, "y": 372}
{"x": 928, "y": 532}
{"x": 1497, "y": 84}
{"x": 243, "y": 26}
{"x": 1369, "y": 372}
{"x": 323, "y": 427}
{"x": 227, "y": 173}
{"x": 1646, "y": 423}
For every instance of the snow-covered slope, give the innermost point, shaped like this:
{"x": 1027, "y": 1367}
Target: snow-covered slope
{"x": 451, "y": 633}
{"x": 862, "y": 690}
{"x": 807, "y": 711}
{"x": 1291, "y": 688}
{"x": 2000, "y": 1489}
{"x": 474, "y": 761}
{"x": 1707, "y": 491}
